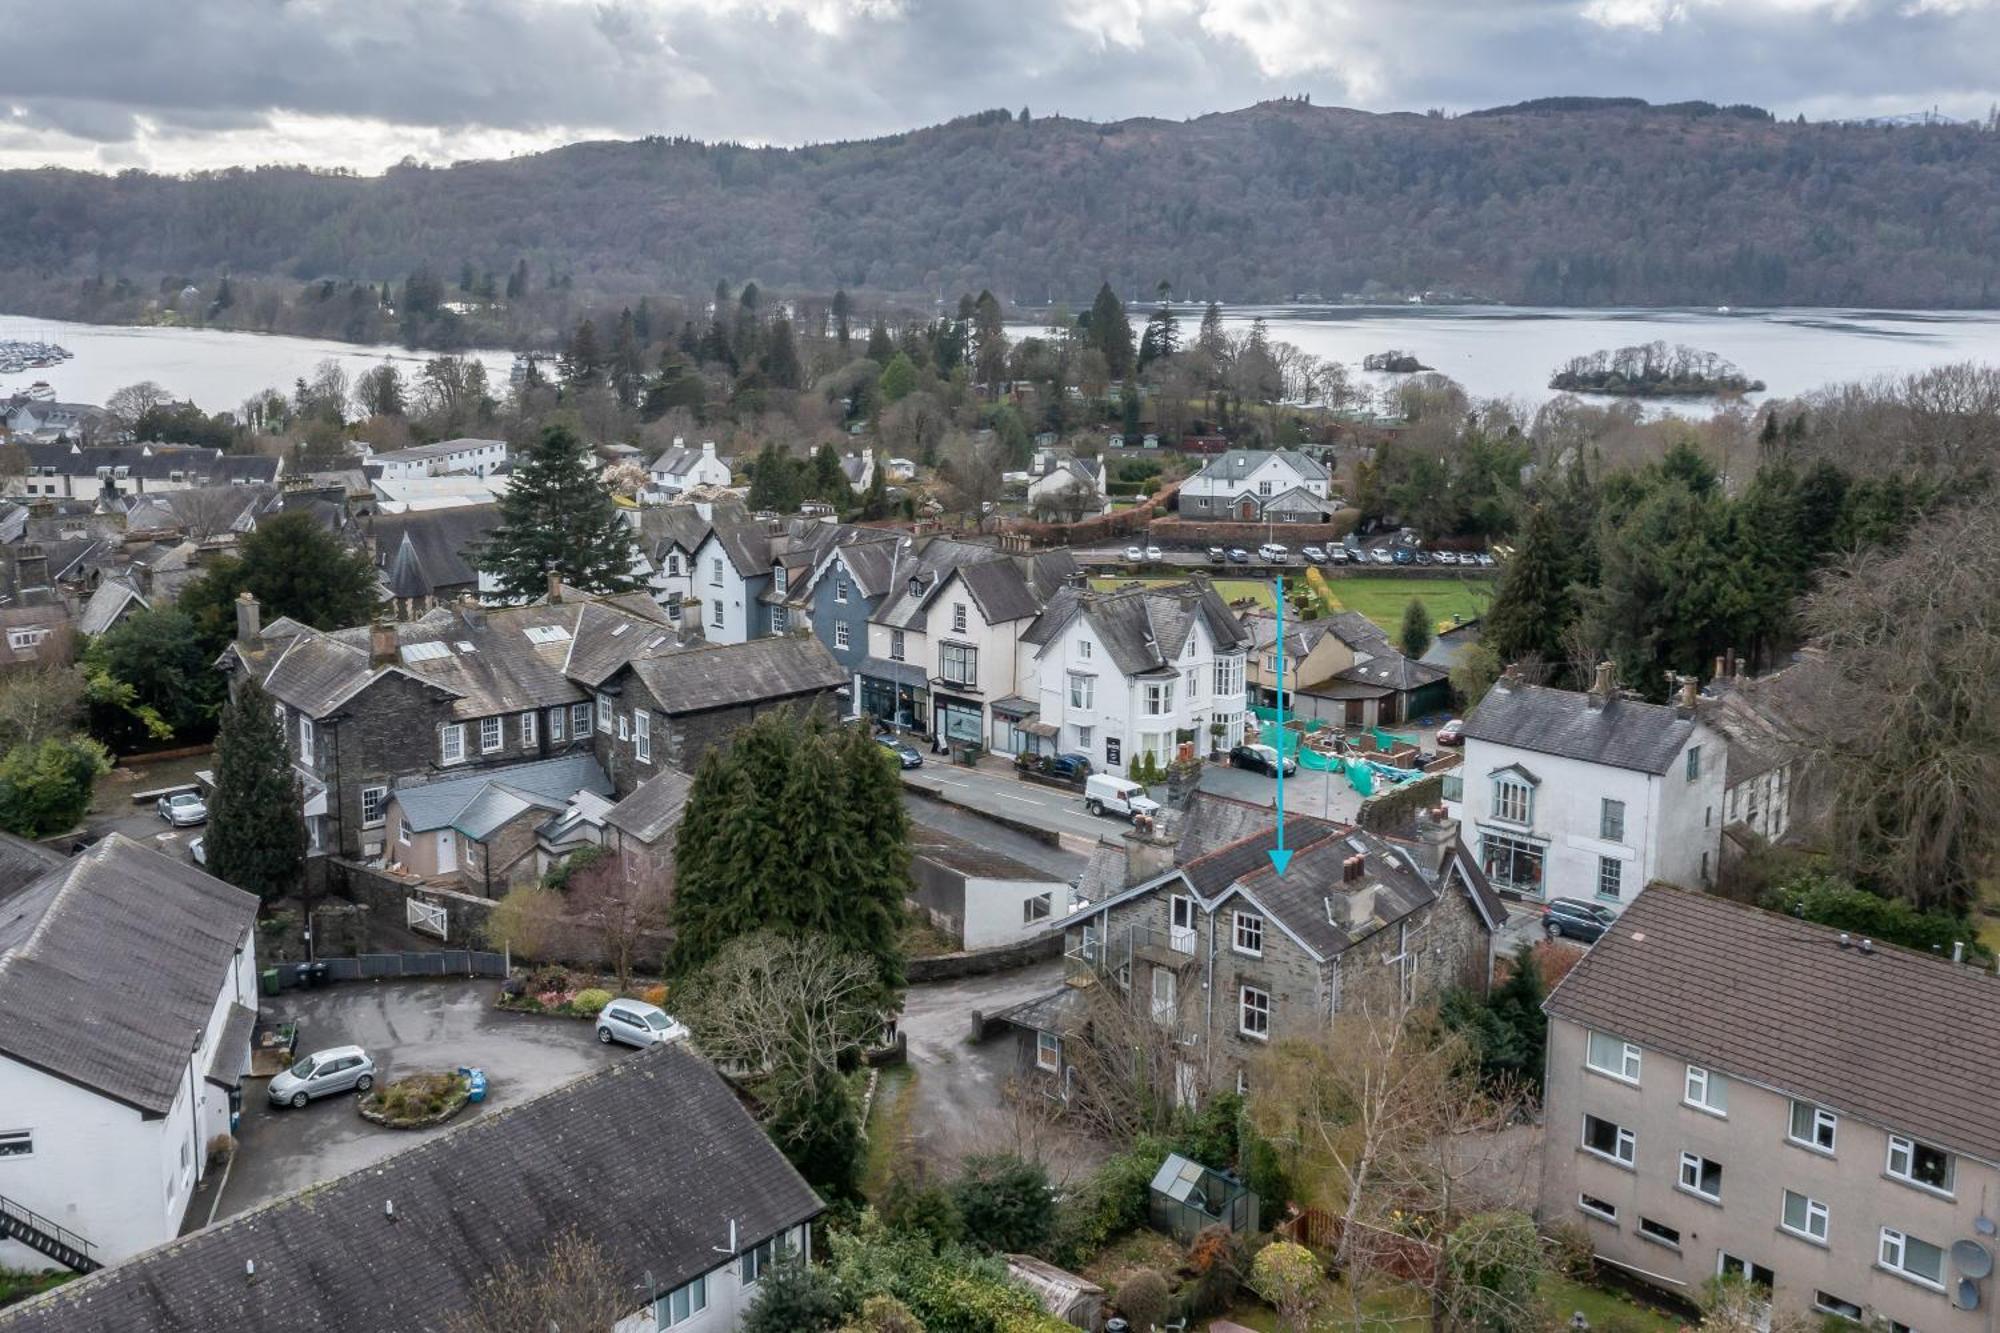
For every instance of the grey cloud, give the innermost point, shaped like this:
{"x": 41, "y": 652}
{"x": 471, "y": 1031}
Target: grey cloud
{"x": 437, "y": 69}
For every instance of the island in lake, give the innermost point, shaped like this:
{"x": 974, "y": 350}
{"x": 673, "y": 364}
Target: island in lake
{"x": 1395, "y": 361}
{"x": 1654, "y": 370}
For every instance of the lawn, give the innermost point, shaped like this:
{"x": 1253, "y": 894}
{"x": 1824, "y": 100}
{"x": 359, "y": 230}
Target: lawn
{"x": 1380, "y": 597}
{"x": 1404, "y": 1307}
{"x": 888, "y": 1128}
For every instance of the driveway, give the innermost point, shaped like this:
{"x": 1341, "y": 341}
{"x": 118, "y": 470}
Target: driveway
{"x": 112, "y": 810}
{"x": 409, "y": 1027}
{"x": 1003, "y": 794}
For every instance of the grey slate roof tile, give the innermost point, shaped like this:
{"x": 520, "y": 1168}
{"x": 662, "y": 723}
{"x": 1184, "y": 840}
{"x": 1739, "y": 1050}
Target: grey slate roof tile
{"x": 1624, "y": 733}
{"x": 724, "y": 676}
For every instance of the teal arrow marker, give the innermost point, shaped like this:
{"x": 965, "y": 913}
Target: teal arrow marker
{"x": 1281, "y": 859}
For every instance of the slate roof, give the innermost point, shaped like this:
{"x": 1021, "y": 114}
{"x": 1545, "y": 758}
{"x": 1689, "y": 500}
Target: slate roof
{"x": 1393, "y": 672}
{"x": 1624, "y": 733}
{"x": 477, "y": 803}
{"x": 1000, "y": 591}
{"x": 418, "y": 453}
{"x": 1143, "y": 629}
{"x": 725, "y": 676}
{"x": 1238, "y": 464}
{"x": 1894, "y": 1037}
{"x": 110, "y": 962}
{"x": 427, "y": 549}
{"x": 654, "y": 809}
{"x": 662, "y": 527}
{"x": 1762, "y": 719}
{"x": 746, "y": 545}
{"x": 107, "y": 604}
{"x": 956, "y": 855}
{"x": 871, "y": 564}
{"x": 651, "y": 1158}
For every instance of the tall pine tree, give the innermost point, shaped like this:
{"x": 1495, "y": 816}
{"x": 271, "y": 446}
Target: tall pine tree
{"x": 798, "y": 827}
{"x": 1533, "y": 606}
{"x": 557, "y": 519}
{"x": 256, "y": 833}
{"x": 1111, "y": 332}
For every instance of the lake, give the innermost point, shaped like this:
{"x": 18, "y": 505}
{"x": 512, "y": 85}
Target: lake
{"x": 1494, "y": 351}
{"x": 1510, "y": 351}
{"x": 218, "y": 370}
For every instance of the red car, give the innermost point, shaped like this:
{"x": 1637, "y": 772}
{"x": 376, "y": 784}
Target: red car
{"x": 1451, "y": 733}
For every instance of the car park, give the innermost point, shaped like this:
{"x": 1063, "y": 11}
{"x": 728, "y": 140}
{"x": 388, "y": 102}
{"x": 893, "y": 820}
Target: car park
{"x": 1424, "y": 558}
{"x": 906, "y": 754}
{"x": 183, "y": 809}
{"x": 1337, "y": 554}
{"x": 1075, "y": 767}
{"x": 1109, "y": 794}
{"x": 1313, "y": 554}
{"x": 1452, "y": 733}
{"x": 1486, "y": 560}
{"x": 336, "y": 1069}
{"x": 1575, "y": 919}
{"x": 1238, "y": 556}
{"x": 636, "y": 1023}
{"x": 1261, "y": 759}
{"x": 1403, "y": 556}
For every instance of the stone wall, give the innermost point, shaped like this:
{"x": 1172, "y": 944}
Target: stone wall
{"x": 980, "y": 962}
{"x": 1393, "y": 813}
{"x": 387, "y": 897}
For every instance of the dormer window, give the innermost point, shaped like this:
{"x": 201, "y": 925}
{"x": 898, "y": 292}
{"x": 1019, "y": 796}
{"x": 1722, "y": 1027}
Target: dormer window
{"x": 779, "y": 578}
{"x": 916, "y": 586}
{"x": 1513, "y": 799}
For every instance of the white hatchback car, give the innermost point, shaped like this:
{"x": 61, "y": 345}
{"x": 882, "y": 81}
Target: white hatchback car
{"x": 637, "y": 1023}
{"x": 336, "y": 1069}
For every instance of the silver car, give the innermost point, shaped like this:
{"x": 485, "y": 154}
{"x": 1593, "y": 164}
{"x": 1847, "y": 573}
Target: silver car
{"x": 183, "y": 809}
{"x": 336, "y": 1069}
{"x": 637, "y": 1023}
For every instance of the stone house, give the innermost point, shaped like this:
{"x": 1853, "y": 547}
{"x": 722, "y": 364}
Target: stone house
{"x": 481, "y": 832}
{"x": 1343, "y": 669}
{"x": 1193, "y": 930}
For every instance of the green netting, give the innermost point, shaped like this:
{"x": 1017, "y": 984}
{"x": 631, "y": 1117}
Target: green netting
{"x": 1389, "y": 740}
{"x": 1362, "y": 778}
{"x": 1268, "y": 717}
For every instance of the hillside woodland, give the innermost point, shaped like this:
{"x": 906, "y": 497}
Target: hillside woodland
{"x": 1572, "y": 202}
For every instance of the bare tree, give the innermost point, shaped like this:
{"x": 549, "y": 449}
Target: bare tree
{"x": 972, "y": 480}
{"x": 783, "y": 1006}
{"x": 135, "y": 400}
{"x": 205, "y": 511}
{"x": 622, "y": 908}
{"x": 43, "y": 700}
{"x": 574, "y": 1285}
{"x": 1145, "y": 1056}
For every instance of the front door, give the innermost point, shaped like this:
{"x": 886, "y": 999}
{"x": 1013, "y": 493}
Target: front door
{"x": 447, "y": 843}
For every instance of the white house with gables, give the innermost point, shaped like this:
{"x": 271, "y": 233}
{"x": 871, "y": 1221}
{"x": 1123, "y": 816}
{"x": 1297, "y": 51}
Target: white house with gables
{"x": 1252, "y": 485}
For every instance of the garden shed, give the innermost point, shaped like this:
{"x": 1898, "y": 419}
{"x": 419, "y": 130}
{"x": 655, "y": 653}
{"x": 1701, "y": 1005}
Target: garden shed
{"x": 1187, "y": 1196}
{"x": 1076, "y": 1301}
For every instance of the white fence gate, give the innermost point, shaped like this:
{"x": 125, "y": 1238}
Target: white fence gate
{"x": 429, "y": 918}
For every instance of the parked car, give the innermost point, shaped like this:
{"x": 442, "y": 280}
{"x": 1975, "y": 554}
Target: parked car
{"x": 1339, "y": 555}
{"x": 1261, "y": 759}
{"x": 1271, "y": 553}
{"x": 198, "y": 851}
{"x": 335, "y": 1069}
{"x": 1238, "y": 556}
{"x": 906, "y": 753}
{"x": 1403, "y": 556}
{"x": 1216, "y": 555}
{"x": 1444, "y": 557}
{"x": 1314, "y": 554}
{"x": 1380, "y": 555}
{"x": 1075, "y": 767}
{"x": 1135, "y": 554}
{"x": 1109, "y": 794}
{"x": 183, "y": 809}
{"x": 1574, "y": 919}
{"x": 1486, "y": 560}
{"x": 1154, "y": 555}
{"x": 1452, "y": 732}
{"x": 637, "y": 1023}
{"x": 1424, "y": 558}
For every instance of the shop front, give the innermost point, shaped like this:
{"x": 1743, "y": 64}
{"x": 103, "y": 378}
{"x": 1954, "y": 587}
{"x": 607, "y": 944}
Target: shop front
{"x": 959, "y": 721}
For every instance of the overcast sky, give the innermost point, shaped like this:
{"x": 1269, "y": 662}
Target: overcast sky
{"x": 174, "y": 85}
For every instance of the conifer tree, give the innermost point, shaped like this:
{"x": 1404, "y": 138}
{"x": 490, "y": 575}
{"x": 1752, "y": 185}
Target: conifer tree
{"x": 257, "y": 834}
{"x": 880, "y": 346}
{"x": 582, "y": 360}
{"x": 1533, "y": 605}
{"x": 781, "y": 356}
{"x": 829, "y": 482}
{"x": 1111, "y": 332}
{"x": 557, "y": 519}
{"x": 1416, "y": 636}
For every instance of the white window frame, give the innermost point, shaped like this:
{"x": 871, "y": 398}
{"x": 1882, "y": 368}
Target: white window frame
{"x": 305, "y": 740}
{"x": 642, "y": 736}
{"x": 16, "y": 1143}
{"x": 404, "y": 833}
{"x": 1693, "y": 1168}
{"x": 1611, "y": 872}
{"x": 1191, "y": 679}
{"x": 1625, "y": 1143}
{"x": 1048, "y": 1051}
{"x": 1601, "y": 1209}
{"x": 1253, "y": 1016}
{"x": 1907, "y": 1148}
{"x": 1702, "y": 1085}
{"x": 492, "y": 734}
{"x": 958, "y": 617}
{"x": 1037, "y": 907}
{"x": 715, "y": 612}
{"x": 601, "y": 711}
{"x": 1084, "y": 648}
{"x": 1247, "y": 924}
{"x": 379, "y": 798}
{"x": 579, "y": 720}
{"x": 895, "y": 645}
{"x": 715, "y": 571}
{"x": 1693, "y": 762}
{"x": 1825, "y": 1302}
{"x": 1630, "y": 1058}
{"x": 624, "y": 728}
{"x": 693, "y": 1298}
{"x": 1082, "y": 691}
{"x": 781, "y": 620}
{"x": 1609, "y": 829}
{"x": 1511, "y": 793}
{"x": 1821, "y": 1119}
{"x": 451, "y": 743}
{"x": 528, "y": 727}
{"x": 1159, "y": 698}
{"x": 1084, "y": 737}
{"x": 1814, "y": 1211}
{"x": 1645, "y": 1235}
{"x": 840, "y": 635}
{"x": 959, "y": 658}
{"x": 840, "y": 587}
{"x": 556, "y": 718}
{"x": 1897, "y": 1241}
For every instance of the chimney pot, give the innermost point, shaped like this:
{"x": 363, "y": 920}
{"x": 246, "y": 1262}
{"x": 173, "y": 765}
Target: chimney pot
{"x": 1846, "y": 940}
{"x": 1958, "y": 951}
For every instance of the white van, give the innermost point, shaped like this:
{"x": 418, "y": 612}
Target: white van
{"x": 1271, "y": 553}
{"x": 1109, "y": 794}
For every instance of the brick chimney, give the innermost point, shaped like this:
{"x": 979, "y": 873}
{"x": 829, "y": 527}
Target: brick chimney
{"x": 555, "y": 588}
{"x": 1149, "y": 850}
{"x": 1602, "y": 685}
{"x": 1436, "y": 832}
{"x": 381, "y": 644}
{"x": 1687, "y": 691}
{"x": 249, "y": 616}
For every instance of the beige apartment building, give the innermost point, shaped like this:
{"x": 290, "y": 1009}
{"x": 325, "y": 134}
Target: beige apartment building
{"x": 1732, "y": 1091}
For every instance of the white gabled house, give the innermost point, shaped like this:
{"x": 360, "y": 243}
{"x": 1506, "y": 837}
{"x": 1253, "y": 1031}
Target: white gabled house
{"x": 128, "y": 994}
{"x": 1117, "y": 675}
{"x": 1589, "y": 795}
{"x": 681, "y": 469}
{"x": 1071, "y": 484}
{"x": 1249, "y": 485}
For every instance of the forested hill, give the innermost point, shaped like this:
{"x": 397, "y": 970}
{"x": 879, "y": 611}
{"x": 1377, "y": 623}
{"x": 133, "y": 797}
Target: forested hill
{"x": 1562, "y": 202}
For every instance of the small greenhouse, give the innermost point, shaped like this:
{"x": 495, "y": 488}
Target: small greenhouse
{"x": 1187, "y": 1196}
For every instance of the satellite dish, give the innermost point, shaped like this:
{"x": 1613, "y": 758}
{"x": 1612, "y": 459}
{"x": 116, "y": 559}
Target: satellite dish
{"x": 1968, "y": 1294}
{"x": 1972, "y": 1259}
{"x": 1983, "y": 1225}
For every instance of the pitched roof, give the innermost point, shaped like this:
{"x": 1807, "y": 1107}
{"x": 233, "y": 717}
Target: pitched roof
{"x": 727, "y": 675}
{"x": 418, "y": 453}
{"x": 1623, "y": 733}
{"x": 1144, "y": 629}
{"x": 1762, "y": 719}
{"x": 426, "y": 549}
{"x": 1238, "y": 464}
{"x": 1893, "y": 1037}
{"x": 654, "y": 808}
{"x": 469, "y": 1201}
{"x": 110, "y": 962}
{"x": 107, "y": 605}
{"x": 476, "y": 803}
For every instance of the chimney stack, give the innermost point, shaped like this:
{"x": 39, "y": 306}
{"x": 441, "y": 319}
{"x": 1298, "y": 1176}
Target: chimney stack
{"x": 249, "y": 616}
{"x": 555, "y": 588}
{"x": 1686, "y": 694}
{"x": 1149, "y": 850}
{"x": 381, "y": 644}
{"x": 1436, "y": 832}
{"x": 471, "y": 612}
{"x": 1512, "y": 675}
{"x": 1353, "y": 867}
{"x": 708, "y": 448}
{"x": 1721, "y": 672}
{"x": 1602, "y": 683}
